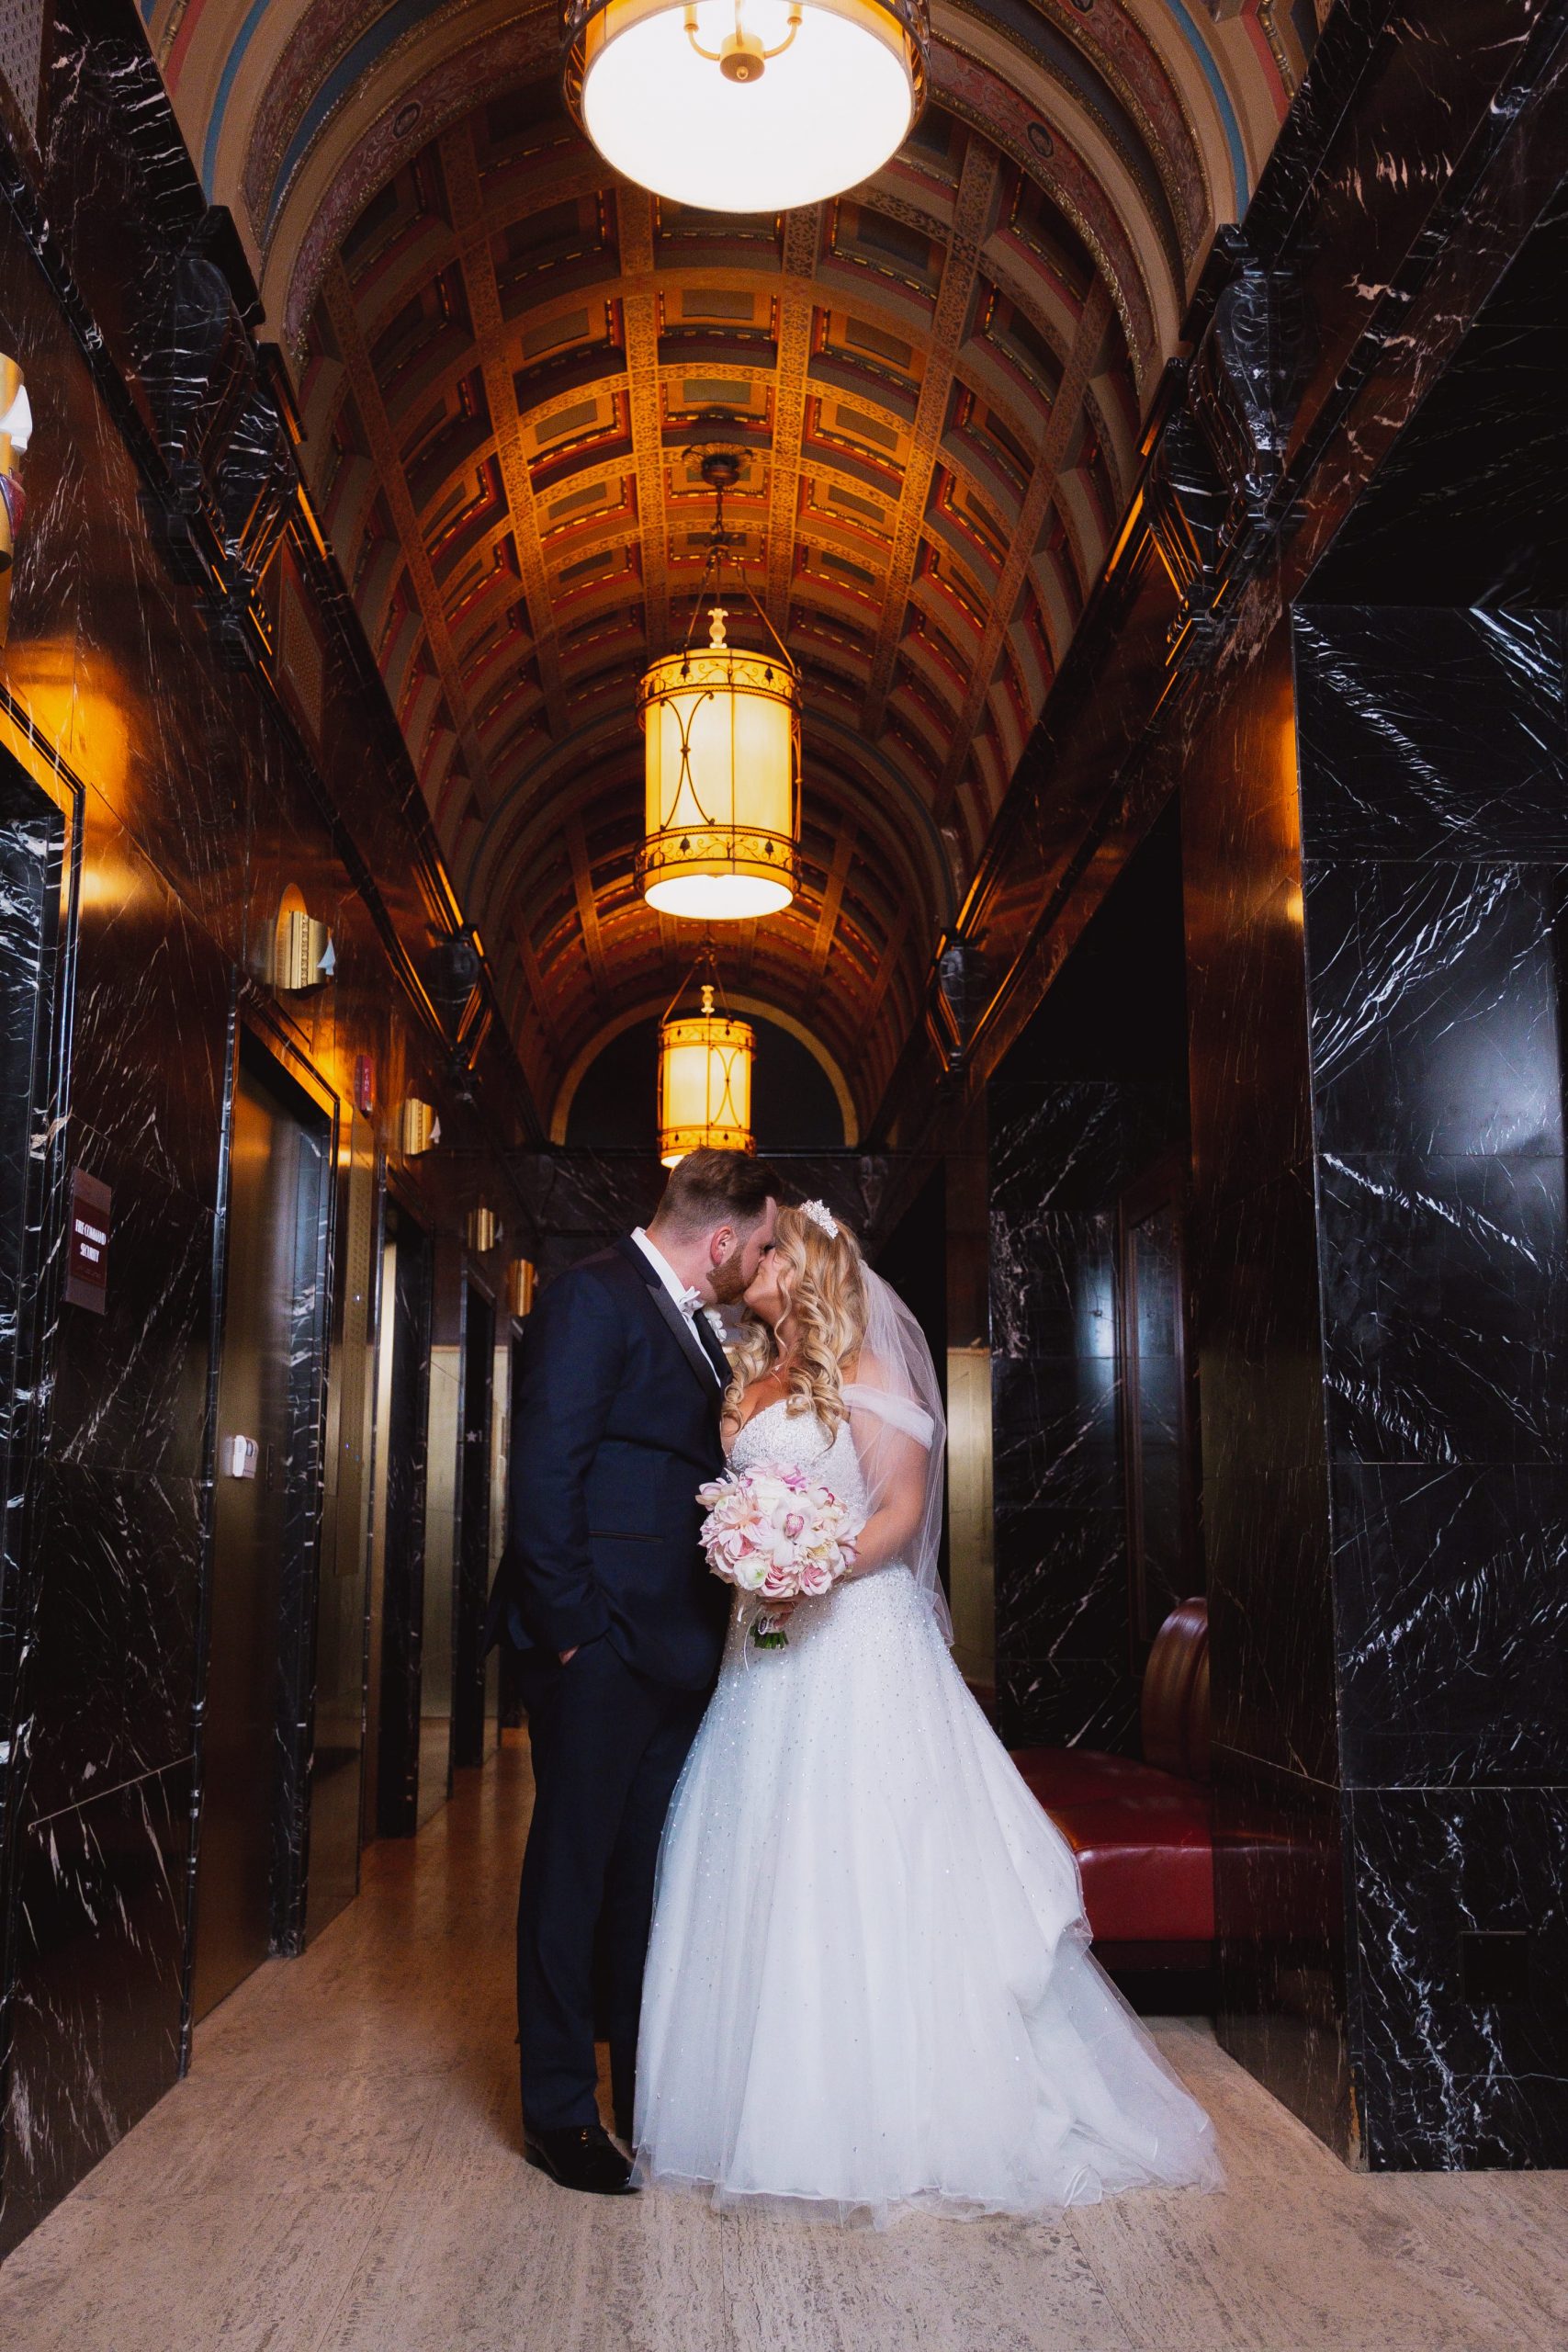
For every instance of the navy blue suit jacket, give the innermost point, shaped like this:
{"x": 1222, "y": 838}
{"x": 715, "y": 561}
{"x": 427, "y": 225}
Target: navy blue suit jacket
{"x": 614, "y": 1427}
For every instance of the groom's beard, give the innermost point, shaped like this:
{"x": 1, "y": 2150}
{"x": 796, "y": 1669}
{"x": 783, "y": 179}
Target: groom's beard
{"x": 727, "y": 1282}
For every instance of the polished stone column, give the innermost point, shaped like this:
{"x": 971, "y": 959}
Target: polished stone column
{"x": 1435, "y": 836}
{"x": 1265, "y": 1508}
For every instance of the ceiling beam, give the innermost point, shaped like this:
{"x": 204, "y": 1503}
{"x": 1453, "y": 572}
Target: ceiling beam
{"x": 474, "y": 234}
{"x": 802, "y": 243}
{"x": 1067, "y": 413}
{"x": 871, "y": 1018}
{"x": 587, "y": 905}
{"x": 972, "y": 211}
{"x": 533, "y": 980}
{"x": 639, "y": 312}
{"x": 387, "y": 461}
{"x": 827, "y": 913}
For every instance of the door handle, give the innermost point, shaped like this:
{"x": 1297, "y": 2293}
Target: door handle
{"x": 238, "y": 1458}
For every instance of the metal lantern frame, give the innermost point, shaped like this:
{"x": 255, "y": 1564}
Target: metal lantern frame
{"x": 713, "y": 1029}
{"x": 911, "y": 17}
{"x": 737, "y": 672}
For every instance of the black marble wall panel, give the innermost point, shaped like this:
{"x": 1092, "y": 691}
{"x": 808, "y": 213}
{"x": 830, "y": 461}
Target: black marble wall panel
{"x": 198, "y": 803}
{"x": 1094, "y": 1090}
{"x": 1460, "y": 1956}
{"x": 95, "y": 2006}
{"x": 1433, "y": 746}
{"x": 1059, "y": 1157}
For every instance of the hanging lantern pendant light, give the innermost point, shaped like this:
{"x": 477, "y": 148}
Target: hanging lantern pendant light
{"x": 745, "y": 105}
{"x": 721, "y": 729}
{"x": 705, "y": 1080}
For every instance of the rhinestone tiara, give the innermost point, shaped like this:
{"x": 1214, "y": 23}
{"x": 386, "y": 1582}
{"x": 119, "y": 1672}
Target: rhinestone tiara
{"x": 821, "y": 1216}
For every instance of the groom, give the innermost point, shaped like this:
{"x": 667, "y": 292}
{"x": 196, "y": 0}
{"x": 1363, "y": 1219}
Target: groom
{"x": 602, "y": 1589}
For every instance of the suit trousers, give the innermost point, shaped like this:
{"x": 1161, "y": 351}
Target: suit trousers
{"x": 608, "y": 1745}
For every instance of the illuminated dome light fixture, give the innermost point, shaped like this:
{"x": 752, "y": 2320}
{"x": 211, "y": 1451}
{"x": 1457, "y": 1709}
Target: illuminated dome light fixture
{"x": 705, "y": 1081}
{"x": 721, "y": 729}
{"x": 745, "y": 105}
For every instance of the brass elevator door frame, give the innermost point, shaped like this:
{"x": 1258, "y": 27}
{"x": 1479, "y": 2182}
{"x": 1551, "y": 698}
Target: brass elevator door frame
{"x": 398, "y": 1560}
{"x": 252, "y": 1845}
{"x": 472, "y": 1674}
{"x": 338, "y": 1757}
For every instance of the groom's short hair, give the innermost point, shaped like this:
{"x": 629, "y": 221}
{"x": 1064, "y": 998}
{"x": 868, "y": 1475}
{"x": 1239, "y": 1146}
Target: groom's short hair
{"x": 709, "y": 1188}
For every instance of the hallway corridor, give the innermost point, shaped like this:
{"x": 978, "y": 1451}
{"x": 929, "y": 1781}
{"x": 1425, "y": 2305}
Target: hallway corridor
{"x": 340, "y": 2174}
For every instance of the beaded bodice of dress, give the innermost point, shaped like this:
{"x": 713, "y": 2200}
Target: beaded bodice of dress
{"x": 799, "y": 1441}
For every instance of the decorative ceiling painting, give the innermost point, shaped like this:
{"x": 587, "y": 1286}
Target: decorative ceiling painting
{"x": 509, "y": 362}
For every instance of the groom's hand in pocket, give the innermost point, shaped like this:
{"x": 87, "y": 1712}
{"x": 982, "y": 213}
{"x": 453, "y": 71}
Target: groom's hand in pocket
{"x": 565, "y": 1657}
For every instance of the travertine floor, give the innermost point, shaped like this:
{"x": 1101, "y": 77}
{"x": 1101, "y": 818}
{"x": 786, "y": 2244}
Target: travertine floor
{"x": 341, "y": 2174}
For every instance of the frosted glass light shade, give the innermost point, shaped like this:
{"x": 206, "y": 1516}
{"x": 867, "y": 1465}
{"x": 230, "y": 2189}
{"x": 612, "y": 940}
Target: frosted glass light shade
{"x": 747, "y": 106}
{"x": 704, "y": 1084}
{"x": 721, "y": 730}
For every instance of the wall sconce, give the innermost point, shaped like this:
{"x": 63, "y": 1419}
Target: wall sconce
{"x": 16, "y": 432}
{"x": 419, "y": 1129}
{"x": 303, "y": 956}
{"x": 482, "y": 1230}
{"x": 520, "y": 1287}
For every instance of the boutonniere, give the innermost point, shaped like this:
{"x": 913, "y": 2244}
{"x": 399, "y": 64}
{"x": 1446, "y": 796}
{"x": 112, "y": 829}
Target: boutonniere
{"x": 716, "y": 1322}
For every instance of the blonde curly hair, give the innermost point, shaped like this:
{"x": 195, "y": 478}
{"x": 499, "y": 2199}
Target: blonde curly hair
{"x": 819, "y": 1275}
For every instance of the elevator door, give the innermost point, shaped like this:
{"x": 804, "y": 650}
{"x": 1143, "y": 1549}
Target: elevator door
{"x": 401, "y": 1482}
{"x": 471, "y": 1675}
{"x": 274, "y": 1192}
{"x": 337, "y": 1755}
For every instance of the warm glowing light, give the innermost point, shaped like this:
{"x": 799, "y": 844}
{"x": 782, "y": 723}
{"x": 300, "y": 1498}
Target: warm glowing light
{"x": 79, "y": 707}
{"x": 722, "y": 768}
{"x": 704, "y": 1084}
{"x": 745, "y": 105}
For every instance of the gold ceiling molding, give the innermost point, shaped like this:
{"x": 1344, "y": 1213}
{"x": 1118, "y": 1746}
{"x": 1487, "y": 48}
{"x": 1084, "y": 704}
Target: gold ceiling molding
{"x": 473, "y": 232}
{"x": 1133, "y": 81}
{"x": 633, "y": 218}
{"x": 971, "y": 222}
{"x": 1065, "y": 418}
{"x": 938, "y": 379}
{"x": 971, "y": 88}
{"x": 797, "y": 312}
{"x": 378, "y": 434}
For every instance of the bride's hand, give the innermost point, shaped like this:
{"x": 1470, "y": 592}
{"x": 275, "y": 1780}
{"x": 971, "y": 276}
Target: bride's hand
{"x": 780, "y": 1611}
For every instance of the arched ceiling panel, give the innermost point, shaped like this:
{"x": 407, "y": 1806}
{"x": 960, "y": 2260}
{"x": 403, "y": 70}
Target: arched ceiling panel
{"x": 505, "y": 355}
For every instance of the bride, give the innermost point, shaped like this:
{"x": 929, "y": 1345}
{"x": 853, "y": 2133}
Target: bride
{"x": 869, "y": 1985}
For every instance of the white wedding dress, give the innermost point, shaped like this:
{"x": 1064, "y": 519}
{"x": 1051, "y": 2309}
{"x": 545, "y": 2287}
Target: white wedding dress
{"x": 868, "y": 1987}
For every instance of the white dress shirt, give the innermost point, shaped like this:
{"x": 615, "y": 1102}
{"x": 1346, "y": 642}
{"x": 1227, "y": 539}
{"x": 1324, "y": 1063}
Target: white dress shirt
{"x": 687, "y": 1299}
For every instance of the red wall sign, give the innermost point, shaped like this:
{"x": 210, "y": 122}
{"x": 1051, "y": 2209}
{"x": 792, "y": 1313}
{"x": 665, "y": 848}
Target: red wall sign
{"x": 87, "y": 1243}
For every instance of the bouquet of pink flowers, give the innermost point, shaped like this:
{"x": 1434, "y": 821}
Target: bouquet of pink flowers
{"x": 771, "y": 1532}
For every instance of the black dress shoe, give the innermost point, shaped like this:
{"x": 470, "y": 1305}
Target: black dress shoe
{"x": 583, "y": 2157}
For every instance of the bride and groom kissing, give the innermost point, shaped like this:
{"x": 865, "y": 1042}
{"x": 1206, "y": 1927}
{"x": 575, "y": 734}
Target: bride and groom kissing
{"x": 838, "y": 1952}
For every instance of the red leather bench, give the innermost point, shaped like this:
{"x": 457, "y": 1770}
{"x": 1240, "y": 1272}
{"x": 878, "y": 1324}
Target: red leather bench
{"x": 1142, "y": 1831}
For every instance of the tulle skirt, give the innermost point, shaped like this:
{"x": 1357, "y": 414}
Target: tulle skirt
{"x": 869, "y": 1989}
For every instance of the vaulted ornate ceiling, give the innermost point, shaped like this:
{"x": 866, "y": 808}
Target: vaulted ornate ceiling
{"x": 504, "y": 357}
